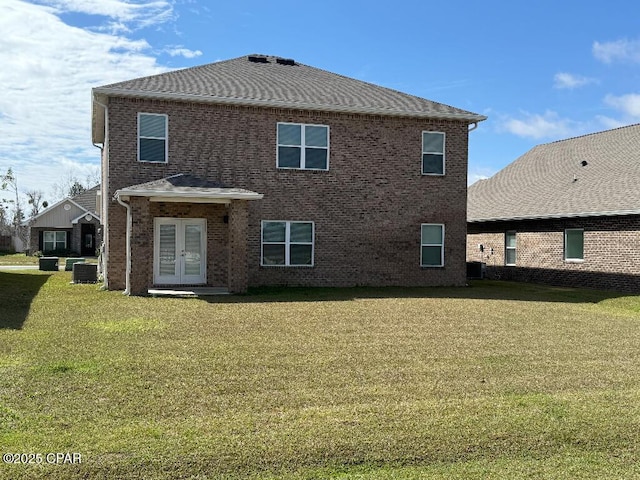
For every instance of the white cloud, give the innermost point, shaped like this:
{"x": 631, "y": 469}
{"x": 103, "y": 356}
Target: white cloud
{"x": 48, "y": 70}
{"x": 183, "y": 52}
{"x": 609, "y": 123}
{"x": 122, "y": 15}
{"x": 628, "y": 104}
{"x": 479, "y": 173}
{"x": 565, "y": 80}
{"x": 536, "y": 126}
{"x": 627, "y": 51}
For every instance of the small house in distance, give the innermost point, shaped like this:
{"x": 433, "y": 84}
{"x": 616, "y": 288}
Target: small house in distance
{"x": 564, "y": 213}
{"x": 71, "y": 226}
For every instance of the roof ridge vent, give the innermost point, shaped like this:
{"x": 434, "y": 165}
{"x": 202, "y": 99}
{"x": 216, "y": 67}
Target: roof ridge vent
{"x": 258, "y": 59}
{"x": 286, "y": 61}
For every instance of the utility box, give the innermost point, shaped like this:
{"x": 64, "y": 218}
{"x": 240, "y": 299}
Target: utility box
{"x": 49, "y": 264}
{"x": 85, "y": 273}
{"x": 475, "y": 270}
{"x": 68, "y": 266}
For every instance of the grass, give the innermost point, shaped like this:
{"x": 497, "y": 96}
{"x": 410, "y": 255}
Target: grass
{"x": 17, "y": 259}
{"x": 493, "y": 381}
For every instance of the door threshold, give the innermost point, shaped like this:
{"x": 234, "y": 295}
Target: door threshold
{"x": 187, "y": 291}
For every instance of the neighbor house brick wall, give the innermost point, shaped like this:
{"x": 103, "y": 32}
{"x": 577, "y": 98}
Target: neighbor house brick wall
{"x": 611, "y": 251}
{"x": 367, "y": 208}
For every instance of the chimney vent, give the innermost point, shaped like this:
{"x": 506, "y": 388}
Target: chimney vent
{"x": 286, "y": 61}
{"x": 258, "y": 59}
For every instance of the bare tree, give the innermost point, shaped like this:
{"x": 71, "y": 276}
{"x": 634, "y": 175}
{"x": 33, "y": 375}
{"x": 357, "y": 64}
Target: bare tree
{"x": 69, "y": 185}
{"x": 35, "y": 200}
{"x": 9, "y": 183}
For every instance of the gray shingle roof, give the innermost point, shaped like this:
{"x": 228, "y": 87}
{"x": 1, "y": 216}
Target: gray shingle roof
{"x": 186, "y": 185}
{"x": 274, "y": 84}
{"x": 87, "y": 199}
{"x": 550, "y": 180}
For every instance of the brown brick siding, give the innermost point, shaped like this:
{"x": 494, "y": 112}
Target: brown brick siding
{"x": 367, "y": 208}
{"x": 611, "y": 251}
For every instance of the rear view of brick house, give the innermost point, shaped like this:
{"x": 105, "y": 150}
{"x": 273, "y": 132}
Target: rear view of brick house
{"x": 263, "y": 171}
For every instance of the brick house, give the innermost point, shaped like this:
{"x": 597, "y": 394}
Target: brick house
{"x": 263, "y": 171}
{"x": 564, "y": 213}
{"x": 71, "y": 226}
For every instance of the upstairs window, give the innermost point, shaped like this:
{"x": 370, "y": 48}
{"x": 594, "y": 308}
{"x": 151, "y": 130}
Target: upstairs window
{"x": 152, "y": 137}
{"x": 574, "y": 244}
{"x": 510, "y": 248}
{"x": 304, "y": 147}
{"x": 433, "y": 153}
{"x": 432, "y": 245}
{"x": 287, "y": 244}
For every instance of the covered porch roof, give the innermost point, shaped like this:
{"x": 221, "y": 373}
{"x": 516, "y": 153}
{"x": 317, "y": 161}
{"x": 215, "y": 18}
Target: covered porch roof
{"x": 186, "y": 188}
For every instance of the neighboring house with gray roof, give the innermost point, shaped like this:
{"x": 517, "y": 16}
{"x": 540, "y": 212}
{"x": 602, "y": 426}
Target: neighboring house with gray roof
{"x": 71, "y": 226}
{"x": 566, "y": 212}
{"x": 263, "y": 171}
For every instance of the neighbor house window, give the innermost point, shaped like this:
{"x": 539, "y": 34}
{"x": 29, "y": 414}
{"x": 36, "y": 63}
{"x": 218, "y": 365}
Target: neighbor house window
{"x": 432, "y": 153}
{"x": 510, "y": 248}
{"x": 52, "y": 241}
{"x": 432, "y": 245}
{"x": 574, "y": 244}
{"x": 287, "y": 243}
{"x": 152, "y": 137}
{"x": 303, "y": 146}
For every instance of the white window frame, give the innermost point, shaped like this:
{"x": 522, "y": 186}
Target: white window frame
{"x": 165, "y": 138}
{"x": 566, "y": 257}
{"x": 507, "y": 248}
{"x": 287, "y": 243}
{"x": 55, "y": 240}
{"x": 444, "y": 163}
{"x": 441, "y": 245}
{"x": 302, "y": 146}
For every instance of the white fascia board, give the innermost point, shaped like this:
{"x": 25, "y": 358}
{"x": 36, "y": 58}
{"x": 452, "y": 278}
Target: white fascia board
{"x": 551, "y": 216}
{"x": 187, "y": 196}
{"x": 77, "y": 219}
{"x": 473, "y": 118}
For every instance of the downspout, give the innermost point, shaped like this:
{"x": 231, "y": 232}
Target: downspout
{"x": 104, "y": 185}
{"x": 473, "y": 127}
{"x": 127, "y": 281}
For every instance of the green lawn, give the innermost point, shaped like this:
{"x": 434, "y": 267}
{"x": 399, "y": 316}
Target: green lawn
{"x": 17, "y": 259}
{"x": 497, "y": 380}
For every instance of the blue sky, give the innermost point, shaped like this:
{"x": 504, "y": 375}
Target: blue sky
{"x": 541, "y": 71}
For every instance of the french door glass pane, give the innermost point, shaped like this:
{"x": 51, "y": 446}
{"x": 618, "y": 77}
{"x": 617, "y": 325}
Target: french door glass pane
{"x": 192, "y": 249}
{"x": 167, "y": 258}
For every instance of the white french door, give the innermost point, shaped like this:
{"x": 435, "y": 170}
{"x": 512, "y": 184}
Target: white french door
{"x": 179, "y": 251}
